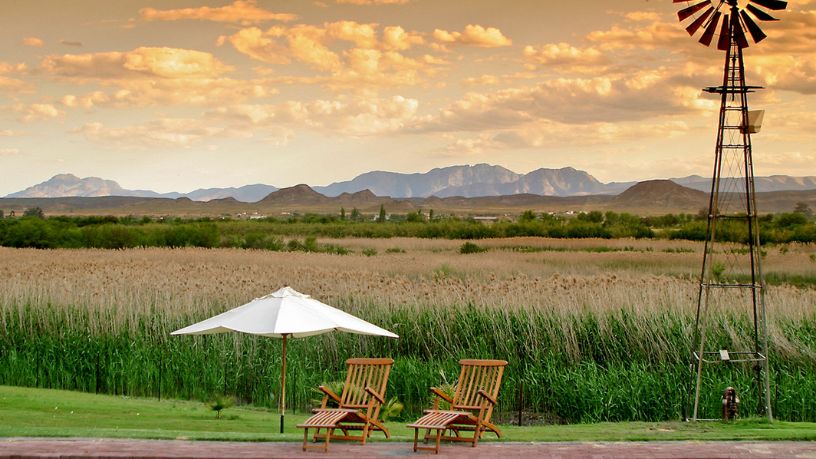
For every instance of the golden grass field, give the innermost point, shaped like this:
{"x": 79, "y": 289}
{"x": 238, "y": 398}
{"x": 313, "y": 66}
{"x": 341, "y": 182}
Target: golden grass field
{"x": 569, "y": 277}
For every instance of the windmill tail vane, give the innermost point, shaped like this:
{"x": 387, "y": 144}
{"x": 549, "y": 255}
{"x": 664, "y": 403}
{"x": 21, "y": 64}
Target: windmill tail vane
{"x": 729, "y": 19}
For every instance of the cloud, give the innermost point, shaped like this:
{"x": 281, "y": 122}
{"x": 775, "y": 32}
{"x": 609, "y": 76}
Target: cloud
{"x": 76, "y": 44}
{"x": 139, "y": 63}
{"x": 642, "y": 31}
{"x": 34, "y": 42}
{"x": 152, "y": 76}
{"x": 161, "y": 133}
{"x": 9, "y": 151}
{"x": 561, "y": 54}
{"x": 346, "y": 54}
{"x": 569, "y": 100}
{"x": 474, "y": 35}
{"x": 239, "y": 12}
{"x": 396, "y": 38}
{"x": 7, "y": 133}
{"x": 345, "y": 116}
{"x": 38, "y": 112}
{"x": 372, "y": 2}
{"x": 8, "y": 83}
{"x": 141, "y": 93}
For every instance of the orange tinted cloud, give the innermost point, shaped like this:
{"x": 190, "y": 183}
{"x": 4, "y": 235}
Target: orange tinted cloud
{"x": 33, "y": 42}
{"x": 560, "y": 53}
{"x": 161, "y": 133}
{"x": 372, "y": 60}
{"x": 38, "y": 112}
{"x": 139, "y": 63}
{"x": 344, "y": 116}
{"x": 239, "y": 12}
{"x": 373, "y": 2}
{"x": 474, "y": 35}
{"x": 7, "y": 83}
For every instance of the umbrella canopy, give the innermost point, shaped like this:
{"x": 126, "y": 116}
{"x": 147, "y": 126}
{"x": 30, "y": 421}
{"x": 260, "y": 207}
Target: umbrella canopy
{"x": 285, "y": 312}
{"x": 282, "y": 314}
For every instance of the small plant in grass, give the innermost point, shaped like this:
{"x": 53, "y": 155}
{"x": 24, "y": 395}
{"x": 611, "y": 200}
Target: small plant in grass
{"x": 813, "y": 257}
{"x": 220, "y": 403}
{"x": 469, "y": 247}
{"x": 717, "y": 271}
{"x": 394, "y": 250}
{"x": 447, "y": 388}
{"x": 369, "y": 252}
{"x": 392, "y": 409}
{"x": 334, "y": 386}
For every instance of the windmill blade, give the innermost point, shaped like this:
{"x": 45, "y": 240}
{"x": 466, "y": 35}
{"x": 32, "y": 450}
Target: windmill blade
{"x": 694, "y": 26}
{"x": 725, "y": 34}
{"x": 686, "y": 12}
{"x": 710, "y": 29}
{"x": 775, "y": 5}
{"x": 761, "y": 15}
{"x": 756, "y": 33}
{"x": 739, "y": 34}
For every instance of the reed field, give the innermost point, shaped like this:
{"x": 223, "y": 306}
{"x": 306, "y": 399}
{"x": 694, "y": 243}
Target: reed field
{"x": 594, "y": 330}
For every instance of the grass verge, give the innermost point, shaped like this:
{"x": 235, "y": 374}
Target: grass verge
{"x": 26, "y": 412}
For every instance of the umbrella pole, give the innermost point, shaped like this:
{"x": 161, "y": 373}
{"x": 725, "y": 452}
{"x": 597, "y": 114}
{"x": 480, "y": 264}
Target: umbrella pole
{"x": 283, "y": 384}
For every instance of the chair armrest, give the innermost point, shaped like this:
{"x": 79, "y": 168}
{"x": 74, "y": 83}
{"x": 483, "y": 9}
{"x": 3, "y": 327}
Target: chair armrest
{"x": 375, "y": 395}
{"x": 331, "y": 394}
{"x": 441, "y": 394}
{"x": 487, "y": 396}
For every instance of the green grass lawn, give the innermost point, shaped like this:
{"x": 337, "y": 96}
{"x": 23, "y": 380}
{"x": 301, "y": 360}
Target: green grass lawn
{"x": 26, "y": 412}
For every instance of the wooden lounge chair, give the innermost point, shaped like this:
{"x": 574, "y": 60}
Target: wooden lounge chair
{"x": 358, "y": 406}
{"x": 470, "y": 407}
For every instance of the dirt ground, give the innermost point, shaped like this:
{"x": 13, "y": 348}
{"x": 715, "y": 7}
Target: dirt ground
{"x": 111, "y": 448}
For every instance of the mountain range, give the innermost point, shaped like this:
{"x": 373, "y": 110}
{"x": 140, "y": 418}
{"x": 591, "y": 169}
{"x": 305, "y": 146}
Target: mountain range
{"x": 654, "y": 197}
{"x": 480, "y": 180}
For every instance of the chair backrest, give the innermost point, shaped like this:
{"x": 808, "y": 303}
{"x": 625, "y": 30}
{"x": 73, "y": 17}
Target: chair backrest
{"x": 364, "y": 373}
{"x": 475, "y": 375}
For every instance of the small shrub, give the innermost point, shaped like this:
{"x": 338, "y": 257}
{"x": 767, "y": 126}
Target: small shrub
{"x": 469, "y": 247}
{"x": 370, "y": 252}
{"x": 394, "y": 250}
{"x": 221, "y": 402}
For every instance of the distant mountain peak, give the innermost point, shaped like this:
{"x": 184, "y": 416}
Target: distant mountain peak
{"x": 69, "y": 185}
{"x": 298, "y": 193}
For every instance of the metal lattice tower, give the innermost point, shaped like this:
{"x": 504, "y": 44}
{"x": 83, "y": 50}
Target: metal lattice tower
{"x": 731, "y": 277}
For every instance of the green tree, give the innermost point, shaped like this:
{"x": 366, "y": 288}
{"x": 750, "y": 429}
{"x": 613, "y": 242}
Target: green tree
{"x": 342, "y": 213}
{"x": 34, "y": 212}
{"x": 355, "y": 214}
{"x": 527, "y": 216}
{"x": 2, "y": 214}
{"x": 430, "y": 214}
{"x": 804, "y": 209}
{"x": 381, "y": 216}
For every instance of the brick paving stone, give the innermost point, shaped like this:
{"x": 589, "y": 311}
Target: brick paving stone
{"x": 156, "y": 449}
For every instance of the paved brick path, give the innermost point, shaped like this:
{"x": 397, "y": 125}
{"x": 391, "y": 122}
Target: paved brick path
{"x": 97, "y": 448}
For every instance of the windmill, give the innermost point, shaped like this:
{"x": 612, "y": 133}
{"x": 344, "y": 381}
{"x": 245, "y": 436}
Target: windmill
{"x": 731, "y": 272}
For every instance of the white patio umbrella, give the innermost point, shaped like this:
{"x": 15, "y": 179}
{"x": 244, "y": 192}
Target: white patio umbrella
{"x": 284, "y": 314}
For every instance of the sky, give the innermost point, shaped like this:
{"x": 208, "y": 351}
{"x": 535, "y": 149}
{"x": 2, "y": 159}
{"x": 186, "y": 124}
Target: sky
{"x": 185, "y": 94}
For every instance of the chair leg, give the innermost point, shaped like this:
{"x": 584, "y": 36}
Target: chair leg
{"x": 305, "y": 437}
{"x": 329, "y": 433}
{"x": 365, "y": 434}
{"x": 438, "y": 439}
{"x": 416, "y": 438}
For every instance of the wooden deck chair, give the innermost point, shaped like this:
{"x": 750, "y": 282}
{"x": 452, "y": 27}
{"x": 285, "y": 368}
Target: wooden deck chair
{"x": 358, "y": 406}
{"x": 470, "y": 407}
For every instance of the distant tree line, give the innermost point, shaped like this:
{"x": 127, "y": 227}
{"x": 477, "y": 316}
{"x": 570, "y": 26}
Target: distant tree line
{"x": 34, "y": 229}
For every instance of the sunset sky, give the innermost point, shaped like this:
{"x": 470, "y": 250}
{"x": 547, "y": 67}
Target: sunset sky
{"x": 177, "y": 95}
